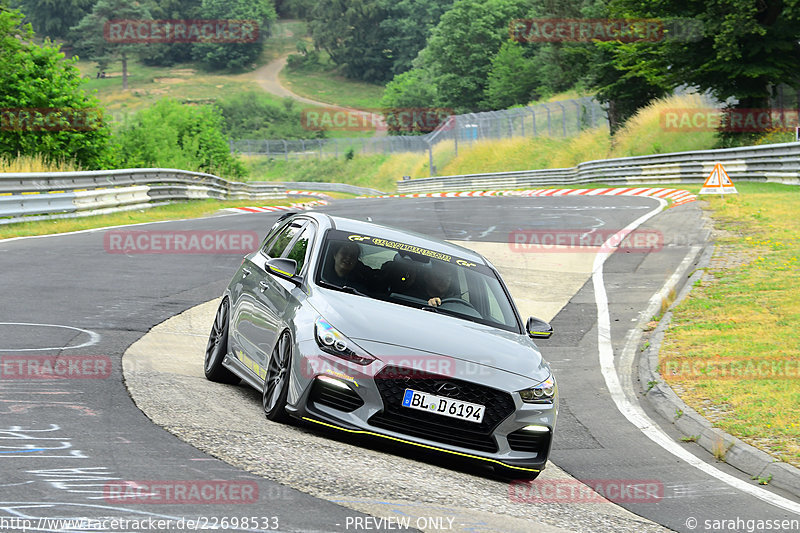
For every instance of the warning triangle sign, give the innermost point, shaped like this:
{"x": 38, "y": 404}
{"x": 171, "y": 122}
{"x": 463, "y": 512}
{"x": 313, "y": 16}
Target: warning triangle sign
{"x": 718, "y": 182}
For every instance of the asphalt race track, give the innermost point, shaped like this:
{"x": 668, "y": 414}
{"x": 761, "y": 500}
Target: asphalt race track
{"x": 73, "y": 448}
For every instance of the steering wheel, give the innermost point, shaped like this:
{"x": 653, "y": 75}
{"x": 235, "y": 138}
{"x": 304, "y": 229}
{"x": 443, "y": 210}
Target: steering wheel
{"x": 455, "y": 300}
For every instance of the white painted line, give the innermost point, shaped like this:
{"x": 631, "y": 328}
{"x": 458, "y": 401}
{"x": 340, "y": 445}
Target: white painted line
{"x": 631, "y": 409}
{"x": 94, "y": 338}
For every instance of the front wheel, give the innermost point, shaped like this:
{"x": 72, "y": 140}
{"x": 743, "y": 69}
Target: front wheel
{"x": 217, "y": 348}
{"x": 276, "y": 381}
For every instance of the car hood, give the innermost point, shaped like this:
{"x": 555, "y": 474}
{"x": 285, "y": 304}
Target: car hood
{"x": 387, "y": 330}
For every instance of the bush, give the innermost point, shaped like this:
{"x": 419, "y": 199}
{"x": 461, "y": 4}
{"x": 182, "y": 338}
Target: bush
{"x": 46, "y": 110}
{"x": 253, "y": 115}
{"x": 172, "y": 135}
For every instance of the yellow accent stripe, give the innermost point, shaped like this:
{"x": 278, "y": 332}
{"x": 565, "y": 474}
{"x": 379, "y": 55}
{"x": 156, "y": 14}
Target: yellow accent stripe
{"x": 364, "y": 432}
{"x": 32, "y": 192}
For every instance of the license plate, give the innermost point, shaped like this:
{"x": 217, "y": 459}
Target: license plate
{"x": 441, "y": 405}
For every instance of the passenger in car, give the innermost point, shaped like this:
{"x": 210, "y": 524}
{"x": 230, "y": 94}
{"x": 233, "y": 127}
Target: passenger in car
{"x": 344, "y": 269}
{"x": 398, "y": 275}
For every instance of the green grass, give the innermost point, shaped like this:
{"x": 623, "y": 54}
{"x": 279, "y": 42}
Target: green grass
{"x": 181, "y": 210}
{"x": 744, "y": 315}
{"x": 184, "y": 82}
{"x": 326, "y": 85}
{"x": 148, "y": 84}
{"x": 363, "y": 171}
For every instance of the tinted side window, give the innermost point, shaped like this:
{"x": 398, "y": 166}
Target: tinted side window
{"x": 299, "y": 250}
{"x": 285, "y": 236}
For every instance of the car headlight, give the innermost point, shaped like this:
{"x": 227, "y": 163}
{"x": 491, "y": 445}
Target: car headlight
{"x": 544, "y": 392}
{"x": 331, "y": 341}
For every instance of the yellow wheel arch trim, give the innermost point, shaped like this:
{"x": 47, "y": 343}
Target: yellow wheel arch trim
{"x": 365, "y": 432}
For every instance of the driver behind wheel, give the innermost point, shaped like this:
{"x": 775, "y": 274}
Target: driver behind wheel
{"x": 437, "y": 283}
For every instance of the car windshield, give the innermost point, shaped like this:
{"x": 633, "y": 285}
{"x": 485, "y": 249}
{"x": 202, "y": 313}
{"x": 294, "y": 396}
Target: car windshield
{"x": 408, "y": 275}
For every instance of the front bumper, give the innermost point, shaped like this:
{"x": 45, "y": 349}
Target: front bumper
{"x": 363, "y": 402}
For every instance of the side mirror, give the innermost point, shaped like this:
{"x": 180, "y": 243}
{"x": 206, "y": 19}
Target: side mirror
{"x": 538, "y": 328}
{"x": 283, "y": 268}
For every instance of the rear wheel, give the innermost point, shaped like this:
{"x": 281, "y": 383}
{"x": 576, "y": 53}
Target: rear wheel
{"x": 276, "y": 382}
{"x": 217, "y": 348}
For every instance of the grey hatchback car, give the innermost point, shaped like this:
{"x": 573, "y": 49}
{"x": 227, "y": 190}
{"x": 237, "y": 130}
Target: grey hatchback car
{"x": 378, "y": 331}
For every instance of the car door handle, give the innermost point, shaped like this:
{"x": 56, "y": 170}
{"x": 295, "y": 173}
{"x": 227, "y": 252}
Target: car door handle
{"x": 245, "y": 272}
{"x": 264, "y": 285}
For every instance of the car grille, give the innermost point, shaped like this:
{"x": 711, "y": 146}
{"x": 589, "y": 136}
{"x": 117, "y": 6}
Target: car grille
{"x": 326, "y": 394}
{"x": 528, "y": 441}
{"x": 392, "y": 383}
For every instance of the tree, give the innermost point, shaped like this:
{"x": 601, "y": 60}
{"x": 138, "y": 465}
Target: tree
{"x": 350, "y": 32}
{"x": 461, "y": 47}
{"x": 53, "y": 18}
{"x": 171, "y": 53}
{"x": 746, "y": 48}
{"x": 235, "y": 55}
{"x": 513, "y": 78}
{"x": 169, "y": 134}
{"x": 92, "y": 40}
{"x": 44, "y": 109}
{"x": 411, "y": 90}
{"x": 407, "y": 25}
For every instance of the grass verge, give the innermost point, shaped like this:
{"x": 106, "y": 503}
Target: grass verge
{"x": 182, "y": 210}
{"x": 732, "y": 351}
{"x": 325, "y": 85}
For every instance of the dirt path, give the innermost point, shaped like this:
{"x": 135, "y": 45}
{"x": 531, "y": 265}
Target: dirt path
{"x": 268, "y": 78}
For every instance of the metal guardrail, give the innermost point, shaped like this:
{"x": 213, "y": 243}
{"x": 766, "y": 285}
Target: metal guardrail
{"x": 69, "y": 194}
{"x": 774, "y": 162}
{"x": 330, "y": 187}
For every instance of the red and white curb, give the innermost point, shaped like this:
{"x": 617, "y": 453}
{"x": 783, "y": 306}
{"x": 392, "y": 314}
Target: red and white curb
{"x": 320, "y": 195}
{"x": 271, "y": 208}
{"x": 678, "y": 196}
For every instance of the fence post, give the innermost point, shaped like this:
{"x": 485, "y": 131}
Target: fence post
{"x": 563, "y": 118}
{"x": 578, "y": 108}
{"x": 430, "y": 159}
{"x": 454, "y": 120}
{"x": 549, "y": 123}
{"x": 533, "y": 116}
{"x": 285, "y": 150}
